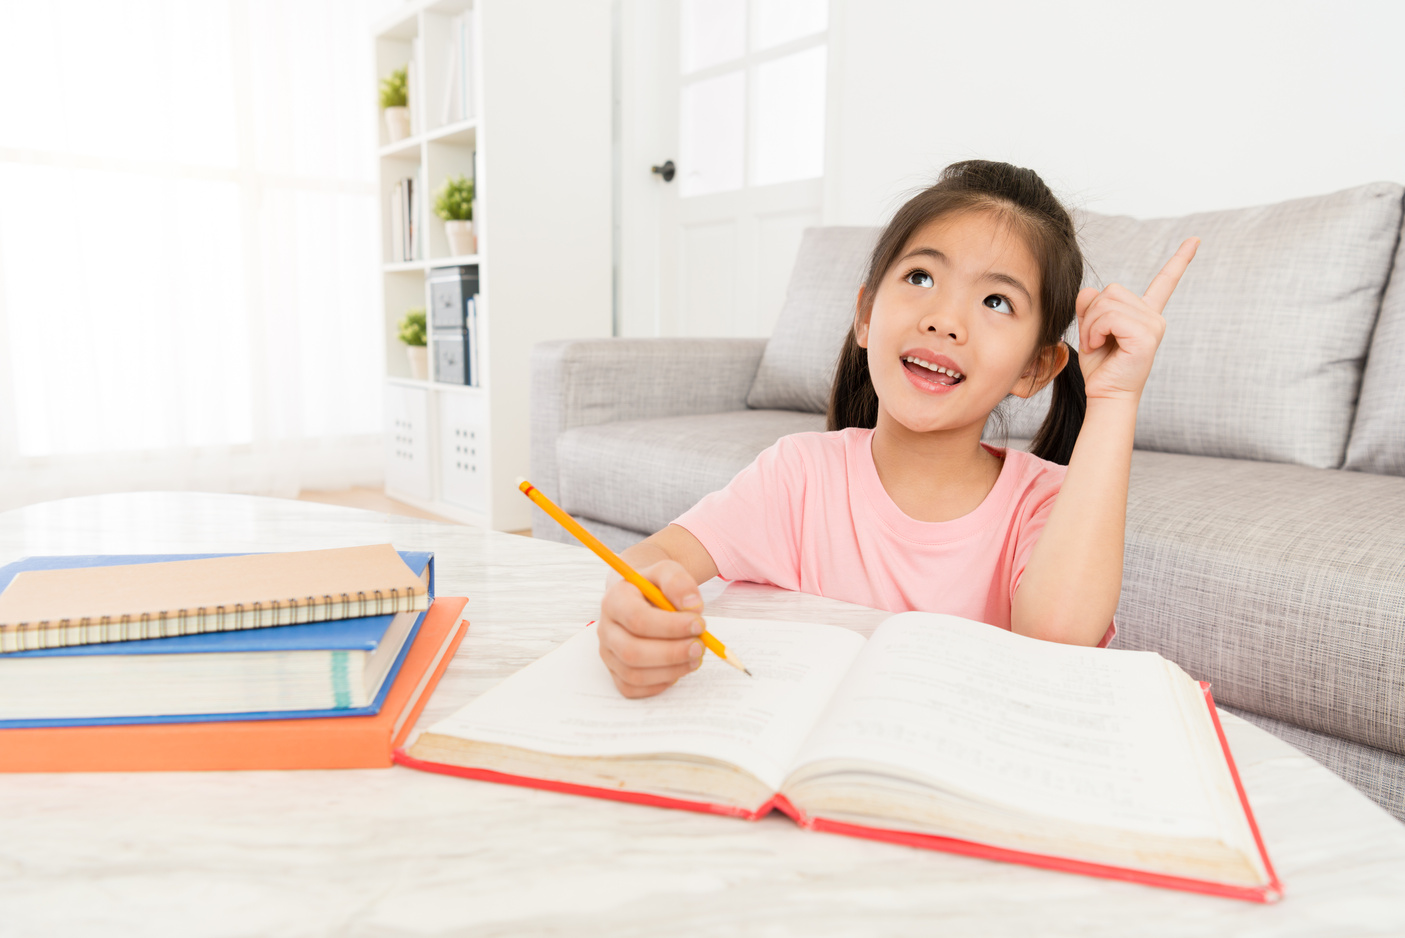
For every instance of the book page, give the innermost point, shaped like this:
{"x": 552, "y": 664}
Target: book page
{"x": 1082, "y": 734}
{"x": 566, "y": 703}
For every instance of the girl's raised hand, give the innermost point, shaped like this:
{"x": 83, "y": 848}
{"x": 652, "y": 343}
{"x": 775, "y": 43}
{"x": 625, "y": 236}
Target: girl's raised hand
{"x": 647, "y": 648}
{"x": 1118, "y": 331}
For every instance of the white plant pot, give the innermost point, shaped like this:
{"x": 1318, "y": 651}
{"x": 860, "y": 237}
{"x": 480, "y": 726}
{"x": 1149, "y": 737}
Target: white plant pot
{"x": 397, "y": 123}
{"x": 460, "y": 235}
{"x": 419, "y": 361}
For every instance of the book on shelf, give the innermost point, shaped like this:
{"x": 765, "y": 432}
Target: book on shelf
{"x": 471, "y": 339}
{"x": 468, "y": 38}
{"x": 937, "y": 732}
{"x": 50, "y": 602}
{"x": 416, "y": 196}
{"x": 405, "y": 235}
{"x": 458, "y": 74}
{"x": 397, "y": 222}
{"x": 340, "y": 742}
{"x": 334, "y": 668}
{"x": 412, "y": 86}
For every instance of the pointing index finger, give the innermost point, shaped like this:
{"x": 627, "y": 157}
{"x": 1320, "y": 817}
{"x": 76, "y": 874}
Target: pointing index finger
{"x": 1164, "y": 283}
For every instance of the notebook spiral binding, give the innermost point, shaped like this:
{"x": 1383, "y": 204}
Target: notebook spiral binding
{"x": 29, "y": 636}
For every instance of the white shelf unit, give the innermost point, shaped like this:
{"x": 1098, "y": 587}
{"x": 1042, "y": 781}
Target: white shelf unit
{"x": 540, "y": 125}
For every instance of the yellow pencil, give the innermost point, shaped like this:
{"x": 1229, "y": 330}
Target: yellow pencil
{"x": 650, "y": 591}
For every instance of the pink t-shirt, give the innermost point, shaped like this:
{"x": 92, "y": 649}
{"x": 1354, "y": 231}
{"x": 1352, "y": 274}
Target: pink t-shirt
{"x": 810, "y": 514}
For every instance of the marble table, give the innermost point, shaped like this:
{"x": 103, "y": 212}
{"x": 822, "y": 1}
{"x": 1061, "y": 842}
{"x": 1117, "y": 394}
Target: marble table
{"x": 402, "y": 853}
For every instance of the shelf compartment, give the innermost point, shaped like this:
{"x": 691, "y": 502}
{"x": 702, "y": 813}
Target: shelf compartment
{"x": 463, "y": 451}
{"x": 443, "y": 160}
{"x": 407, "y": 440}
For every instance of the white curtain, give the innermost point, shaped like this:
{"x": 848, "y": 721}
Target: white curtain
{"x": 188, "y": 254}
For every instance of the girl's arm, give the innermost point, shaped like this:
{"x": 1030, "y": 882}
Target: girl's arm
{"x": 647, "y": 648}
{"x": 1073, "y": 580}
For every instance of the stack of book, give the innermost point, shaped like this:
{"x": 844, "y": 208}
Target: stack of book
{"x": 310, "y": 659}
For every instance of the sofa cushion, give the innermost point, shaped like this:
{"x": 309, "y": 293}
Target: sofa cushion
{"x": 1267, "y": 333}
{"x": 1278, "y": 584}
{"x": 668, "y": 463}
{"x": 616, "y": 538}
{"x": 1378, "y": 436}
{"x": 797, "y": 367}
{"x": 1380, "y": 775}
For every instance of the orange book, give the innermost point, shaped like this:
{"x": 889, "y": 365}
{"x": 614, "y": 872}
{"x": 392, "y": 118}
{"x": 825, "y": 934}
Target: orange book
{"x": 362, "y": 742}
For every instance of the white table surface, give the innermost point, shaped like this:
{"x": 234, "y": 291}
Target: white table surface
{"x": 403, "y": 853}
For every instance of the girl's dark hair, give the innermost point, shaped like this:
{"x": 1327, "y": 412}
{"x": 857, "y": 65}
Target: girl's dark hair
{"x": 1022, "y": 199}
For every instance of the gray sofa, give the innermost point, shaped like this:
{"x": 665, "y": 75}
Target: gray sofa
{"x": 1266, "y": 518}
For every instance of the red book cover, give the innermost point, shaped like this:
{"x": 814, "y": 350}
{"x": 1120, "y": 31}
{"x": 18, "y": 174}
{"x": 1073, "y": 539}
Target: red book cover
{"x": 361, "y": 742}
{"x": 1271, "y": 892}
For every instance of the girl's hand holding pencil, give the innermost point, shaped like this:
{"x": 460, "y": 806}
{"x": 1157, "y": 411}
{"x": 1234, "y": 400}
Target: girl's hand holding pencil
{"x": 647, "y": 648}
{"x": 651, "y": 627}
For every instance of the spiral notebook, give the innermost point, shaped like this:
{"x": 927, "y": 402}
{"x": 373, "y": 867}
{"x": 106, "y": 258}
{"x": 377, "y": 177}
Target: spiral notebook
{"x": 57, "y": 601}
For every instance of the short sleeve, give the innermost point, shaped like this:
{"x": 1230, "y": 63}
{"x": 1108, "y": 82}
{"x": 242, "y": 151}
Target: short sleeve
{"x": 1029, "y": 526}
{"x": 751, "y": 528}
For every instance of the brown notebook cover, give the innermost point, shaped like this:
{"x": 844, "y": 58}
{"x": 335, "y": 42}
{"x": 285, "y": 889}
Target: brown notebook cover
{"x": 86, "y": 605}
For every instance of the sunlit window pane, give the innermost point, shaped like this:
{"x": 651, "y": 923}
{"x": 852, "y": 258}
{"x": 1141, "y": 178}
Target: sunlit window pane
{"x": 316, "y": 267}
{"x": 713, "y": 32}
{"x": 306, "y": 123}
{"x": 712, "y": 134}
{"x": 779, "y": 21}
{"x": 107, "y": 80}
{"x": 149, "y": 306}
{"x": 105, "y": 356}
{"x": 788, "y": 118}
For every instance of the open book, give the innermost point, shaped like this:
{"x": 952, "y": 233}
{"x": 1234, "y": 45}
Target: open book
{"x": 937, "y": 732}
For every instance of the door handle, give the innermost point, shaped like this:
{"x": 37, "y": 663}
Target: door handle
{"x": 666, "y": 170}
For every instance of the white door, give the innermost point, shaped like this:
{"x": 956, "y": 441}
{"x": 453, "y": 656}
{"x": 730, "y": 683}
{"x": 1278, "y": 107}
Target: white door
{"x": 732, "y": 92}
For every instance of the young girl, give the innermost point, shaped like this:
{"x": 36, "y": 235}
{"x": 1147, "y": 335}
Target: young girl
{"x": 900, "y": 506}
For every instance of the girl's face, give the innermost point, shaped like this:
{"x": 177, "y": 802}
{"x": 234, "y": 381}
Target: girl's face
{"x": 953, "y": 326}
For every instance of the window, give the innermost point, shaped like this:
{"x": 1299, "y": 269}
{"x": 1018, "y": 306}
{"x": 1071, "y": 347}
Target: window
{"x": 752, "y": 93}
{"x": 187, "y": 234}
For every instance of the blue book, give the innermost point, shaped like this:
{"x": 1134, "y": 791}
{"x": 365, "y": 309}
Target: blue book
{"x": 339, "y": 668}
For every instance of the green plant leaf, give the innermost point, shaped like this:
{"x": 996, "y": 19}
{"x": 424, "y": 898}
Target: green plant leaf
{"x": 411, "y": 328}
{"x": 393, "y": 89}
{"x": 454, "y": 200}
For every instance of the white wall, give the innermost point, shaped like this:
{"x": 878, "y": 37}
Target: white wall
{"x": 1147, "y": 109}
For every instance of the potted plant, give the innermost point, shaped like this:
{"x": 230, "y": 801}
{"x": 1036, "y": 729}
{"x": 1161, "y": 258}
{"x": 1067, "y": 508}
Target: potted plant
{"x": 411, "y": 330}
{"x": 454, "y": 203}
{"x": 395, "y": 101}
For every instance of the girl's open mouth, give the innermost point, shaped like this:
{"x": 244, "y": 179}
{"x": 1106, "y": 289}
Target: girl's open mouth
{"x": 930, "y": 377}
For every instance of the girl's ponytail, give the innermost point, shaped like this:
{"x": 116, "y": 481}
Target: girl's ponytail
{"x": 852, "y": 400}
{"x": 1059, "y": 431}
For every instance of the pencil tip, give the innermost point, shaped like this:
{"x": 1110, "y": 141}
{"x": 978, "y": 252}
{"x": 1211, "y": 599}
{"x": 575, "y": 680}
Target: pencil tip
{"x": 748, "y": 672}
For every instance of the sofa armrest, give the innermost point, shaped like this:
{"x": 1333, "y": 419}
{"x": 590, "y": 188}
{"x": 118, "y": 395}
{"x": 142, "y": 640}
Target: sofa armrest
{"x": 584, "y": 382}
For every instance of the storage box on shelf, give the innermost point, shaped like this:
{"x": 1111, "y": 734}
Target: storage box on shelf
{"x": 496, "y": 95}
